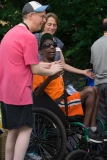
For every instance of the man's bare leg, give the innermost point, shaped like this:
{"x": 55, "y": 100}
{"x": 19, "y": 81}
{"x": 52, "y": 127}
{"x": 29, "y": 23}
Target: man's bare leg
{"x": 17, "y": 143}
{"x": 10, "y": 144}
{"x": 88, "y": 97}
{"x": 95, "y": 111}
{"x": 22, "y": 143}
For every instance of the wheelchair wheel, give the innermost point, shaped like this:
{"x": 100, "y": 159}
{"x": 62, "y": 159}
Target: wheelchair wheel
{"x": 48, "y": 138}
{"x": 78, "y": 155}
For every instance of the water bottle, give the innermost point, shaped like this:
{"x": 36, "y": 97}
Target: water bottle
{"x": 70, "y": 89}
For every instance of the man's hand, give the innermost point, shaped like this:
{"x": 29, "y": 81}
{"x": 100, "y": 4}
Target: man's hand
{"x": 56, "y": 68}
{"x": 89, "y": 73}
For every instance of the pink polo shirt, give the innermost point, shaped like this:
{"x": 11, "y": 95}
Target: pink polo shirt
{"x": 18, "y": 50}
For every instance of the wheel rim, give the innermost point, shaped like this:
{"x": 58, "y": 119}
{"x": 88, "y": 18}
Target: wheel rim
{"x": 45, "y": 138}
{"x": 82, "y": 157}
{"x": 78, "y": 155}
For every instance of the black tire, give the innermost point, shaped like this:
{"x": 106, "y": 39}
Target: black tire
{"x": 48, "y": 138}
{"x": 78, "y": 155}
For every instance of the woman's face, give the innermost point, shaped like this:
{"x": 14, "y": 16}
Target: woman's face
{"x": 50, "y": 26}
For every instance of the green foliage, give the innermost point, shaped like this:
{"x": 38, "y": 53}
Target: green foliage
{"x": 10, "y": 15}
{"x": 80, "y": 24}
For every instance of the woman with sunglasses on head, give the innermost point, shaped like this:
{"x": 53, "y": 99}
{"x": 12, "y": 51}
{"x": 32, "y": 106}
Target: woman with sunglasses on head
{"x": 51, "y": 26}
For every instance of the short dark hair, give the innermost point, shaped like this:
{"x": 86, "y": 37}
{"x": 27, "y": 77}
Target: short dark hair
{"x": 104, "y": 24}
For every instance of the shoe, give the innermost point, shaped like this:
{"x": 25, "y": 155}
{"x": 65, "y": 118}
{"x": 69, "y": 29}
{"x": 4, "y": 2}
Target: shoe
{"x": 33, "y": 156}
{"x": 94, "y": 136}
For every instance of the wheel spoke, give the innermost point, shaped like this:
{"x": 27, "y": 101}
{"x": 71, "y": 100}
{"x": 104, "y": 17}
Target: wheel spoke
{"x": 45, "y": 138}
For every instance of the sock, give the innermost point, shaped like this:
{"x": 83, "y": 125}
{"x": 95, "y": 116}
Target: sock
{"x": 93, "y": 128}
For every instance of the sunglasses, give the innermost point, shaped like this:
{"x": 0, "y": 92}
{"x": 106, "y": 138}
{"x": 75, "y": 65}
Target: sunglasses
{"x": 47, "y": 45}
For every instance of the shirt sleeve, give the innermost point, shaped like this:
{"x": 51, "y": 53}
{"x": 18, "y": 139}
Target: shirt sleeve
{"x": 37, "y": 80}
{"x": 60, "y": 44}
{"x": 91, "y": 61}
{"x": 31, "y": 53}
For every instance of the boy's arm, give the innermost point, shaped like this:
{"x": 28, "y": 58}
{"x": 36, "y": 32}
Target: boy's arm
{"x": 41, "y": 88}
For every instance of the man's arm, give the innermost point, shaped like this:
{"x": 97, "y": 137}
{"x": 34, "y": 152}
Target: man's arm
{"x": 43, "y": 71}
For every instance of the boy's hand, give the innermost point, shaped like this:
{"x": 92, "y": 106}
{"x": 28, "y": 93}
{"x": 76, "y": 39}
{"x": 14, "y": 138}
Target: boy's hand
{"x": 55, "y": 76}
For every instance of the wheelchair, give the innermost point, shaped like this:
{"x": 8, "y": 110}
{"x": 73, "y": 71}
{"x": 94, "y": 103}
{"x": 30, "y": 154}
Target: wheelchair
{"x": 55, "y": 135}
{"x": 78, "y": 155}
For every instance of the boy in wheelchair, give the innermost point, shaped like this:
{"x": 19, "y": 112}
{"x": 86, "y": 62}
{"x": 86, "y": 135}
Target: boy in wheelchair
{"x": 54, "y": 87}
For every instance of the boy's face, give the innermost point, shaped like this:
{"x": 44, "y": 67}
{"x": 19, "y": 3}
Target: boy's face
{"x": 48, "y": 50}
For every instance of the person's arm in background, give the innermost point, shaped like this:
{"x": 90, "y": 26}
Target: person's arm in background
{"x": 86, "y": 72}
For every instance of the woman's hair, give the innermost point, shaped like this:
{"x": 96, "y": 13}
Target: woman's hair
{"x": 50, "y": 14}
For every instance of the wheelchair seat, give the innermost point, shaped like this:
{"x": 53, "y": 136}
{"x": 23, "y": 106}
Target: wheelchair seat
{"x": 46, "y": 102}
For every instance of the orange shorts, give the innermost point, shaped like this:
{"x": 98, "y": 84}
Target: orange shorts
{"x": 74, "y": 105}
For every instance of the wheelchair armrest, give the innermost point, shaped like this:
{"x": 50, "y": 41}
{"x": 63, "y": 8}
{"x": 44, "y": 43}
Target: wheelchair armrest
{"x": 76, "y": 118}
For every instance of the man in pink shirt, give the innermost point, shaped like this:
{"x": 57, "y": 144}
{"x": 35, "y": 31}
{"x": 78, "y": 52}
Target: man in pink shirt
{"x": 18, "y": 62}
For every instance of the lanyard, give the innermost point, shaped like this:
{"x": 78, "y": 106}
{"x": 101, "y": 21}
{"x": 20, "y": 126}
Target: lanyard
{"x": 26, "y": 25}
